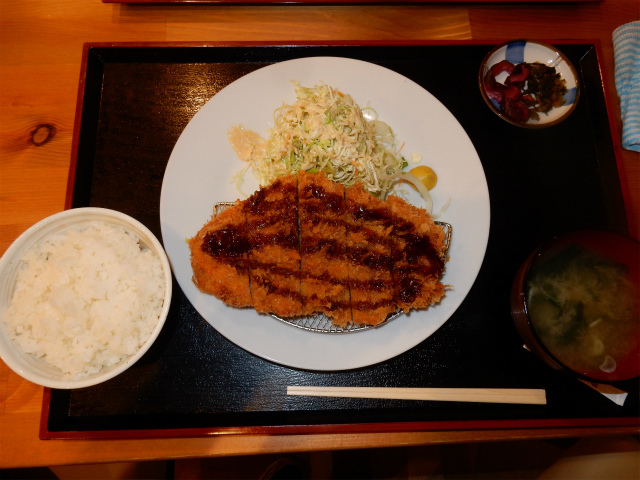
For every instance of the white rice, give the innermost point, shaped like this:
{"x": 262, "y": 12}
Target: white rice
{"x": 85, "y": 299}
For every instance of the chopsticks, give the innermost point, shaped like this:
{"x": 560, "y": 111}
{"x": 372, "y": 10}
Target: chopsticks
{"x": 483, "y": 395}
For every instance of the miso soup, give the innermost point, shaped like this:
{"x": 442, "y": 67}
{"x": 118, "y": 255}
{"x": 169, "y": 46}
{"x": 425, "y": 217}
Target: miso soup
{"x": 584, "y": 307}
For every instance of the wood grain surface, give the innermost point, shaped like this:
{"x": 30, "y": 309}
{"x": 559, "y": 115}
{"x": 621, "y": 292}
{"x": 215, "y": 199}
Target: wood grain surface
{"x": 40, "y": 58}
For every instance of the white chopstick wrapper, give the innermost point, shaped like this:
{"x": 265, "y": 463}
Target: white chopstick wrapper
{"x": 483, "y": 395}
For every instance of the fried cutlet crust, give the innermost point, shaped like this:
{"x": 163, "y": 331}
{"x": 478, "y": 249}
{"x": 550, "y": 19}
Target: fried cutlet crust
{"x": 219, "y": 258}
{"x": 324, "y": 265}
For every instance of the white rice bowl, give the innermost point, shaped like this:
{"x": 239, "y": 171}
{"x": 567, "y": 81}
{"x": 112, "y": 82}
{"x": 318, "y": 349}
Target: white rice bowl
{"x": 83, "y": 295}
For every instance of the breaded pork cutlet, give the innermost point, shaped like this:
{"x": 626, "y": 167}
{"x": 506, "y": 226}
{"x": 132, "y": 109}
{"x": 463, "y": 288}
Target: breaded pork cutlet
{"x": 274, "y": 258}
{"x": 219, "y": 258}
{"x": 417, "y": 254}
{"x": 304, "y": 245}
{"x": 369, "y": 249}
{"x": 324, "y": 269}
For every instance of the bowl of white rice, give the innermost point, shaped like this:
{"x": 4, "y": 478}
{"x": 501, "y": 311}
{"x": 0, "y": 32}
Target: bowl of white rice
{"x": 84, "y": 294}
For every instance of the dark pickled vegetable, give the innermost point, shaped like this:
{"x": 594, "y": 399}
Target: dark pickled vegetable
{"x": 547, "y": 86}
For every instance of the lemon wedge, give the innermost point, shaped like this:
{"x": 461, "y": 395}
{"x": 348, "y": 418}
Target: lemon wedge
{"x": 426, "y": 175}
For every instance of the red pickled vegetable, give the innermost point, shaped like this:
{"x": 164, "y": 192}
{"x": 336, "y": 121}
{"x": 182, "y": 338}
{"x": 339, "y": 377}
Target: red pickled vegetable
{"x": 509, "y": 94}
{"x": 513, "y": 93}
{"x": 520, "y": 73}
{"x": 502, "y": 66}
{"x": 515, "y": 109}
{"x": 494, "y": 89}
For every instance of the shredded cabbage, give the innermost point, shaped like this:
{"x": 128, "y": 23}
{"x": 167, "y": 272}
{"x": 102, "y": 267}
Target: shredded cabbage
{"x": 326, "y": 131}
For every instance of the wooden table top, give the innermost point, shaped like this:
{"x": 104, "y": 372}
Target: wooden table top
{"x": 41, "y": 48}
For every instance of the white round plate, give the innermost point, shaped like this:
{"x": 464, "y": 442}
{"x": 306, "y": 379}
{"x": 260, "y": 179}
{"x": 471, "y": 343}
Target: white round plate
{"x": 203, "y": 163}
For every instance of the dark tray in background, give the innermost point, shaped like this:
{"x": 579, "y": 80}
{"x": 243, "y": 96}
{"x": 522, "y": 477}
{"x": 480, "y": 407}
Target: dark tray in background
{"x": 135, "y": 101}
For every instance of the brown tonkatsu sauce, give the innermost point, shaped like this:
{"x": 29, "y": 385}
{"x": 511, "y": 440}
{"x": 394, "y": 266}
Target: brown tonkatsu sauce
{"x": 280, "y": 291}
{"x": 370, "y": 259}
{"x": 377, "y": 215}
{"x": 330, "y": 201}
{"x": 230, "y": 243}
{"x": 331, "y": 247}
{"x": 258, "y": 204}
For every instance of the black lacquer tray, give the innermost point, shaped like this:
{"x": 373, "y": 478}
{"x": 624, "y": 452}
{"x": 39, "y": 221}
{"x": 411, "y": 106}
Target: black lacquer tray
{"x": 134, "y": 102}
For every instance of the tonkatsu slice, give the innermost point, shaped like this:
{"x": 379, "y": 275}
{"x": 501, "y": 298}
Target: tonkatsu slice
{"x": 418, "y": 261}
{"x": 324, "y": 267}
{"x": 369, "y": 250}
{"x": 274, "y": 256}
{"x": 219, "y": 258}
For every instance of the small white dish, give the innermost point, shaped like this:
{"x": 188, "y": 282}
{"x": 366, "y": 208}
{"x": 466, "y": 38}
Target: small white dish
{"x": 530, "y": 51}
{"x": 37, "y": 370}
